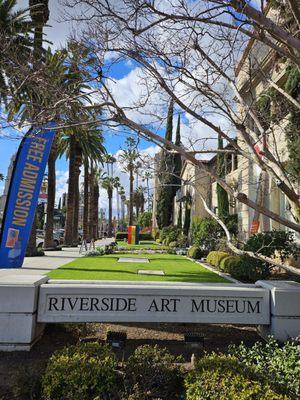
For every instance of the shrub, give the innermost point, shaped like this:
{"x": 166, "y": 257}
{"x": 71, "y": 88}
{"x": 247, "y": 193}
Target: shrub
{"x": 169, "y": 234}
{"x": 205, "y": 233}
{"x": 182, "y": 240}
{"x": 215, "y": 257}
{"x": 150, "y": 373}
{"x": 173, "y": 244}
{"x": 271, "y": 243}
{"x": 121, "y": 235}
{"x": 83, "y": 372}
{"x": 251, "y": 270}
{"x": 158, "y": 241}
{"x": 280, "y": 365}
{"x": 145, "y": 219}
{"x": 220, "y": 377}
{"x": 146, "y": 236}
{"x": 230, "y": 264}
{"x": 195, "y": 252}
{"x": 95, "y": 253}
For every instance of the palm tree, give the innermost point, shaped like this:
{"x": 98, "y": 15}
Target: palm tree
{"x": 78, "y": 144}
{"x": 39, "y": 13}
{"x": 128, "y": 159}
{"x": 15, "y": 28}
{"x": 108, "y": 183}
{"x": 146, "y": 177}
{"x": 123, "y": 199}
{"x": 117, "y": 185}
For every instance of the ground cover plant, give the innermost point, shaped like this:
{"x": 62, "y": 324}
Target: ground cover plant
{"x": 176, "y": 268}
{"x": 279, "y": 364}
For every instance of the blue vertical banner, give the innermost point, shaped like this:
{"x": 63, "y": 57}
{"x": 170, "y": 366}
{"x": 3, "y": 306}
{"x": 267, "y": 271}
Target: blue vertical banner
{"x": 22, "y": 198}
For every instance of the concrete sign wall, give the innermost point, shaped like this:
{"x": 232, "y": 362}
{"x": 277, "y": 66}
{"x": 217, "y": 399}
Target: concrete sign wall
{"x": 153, "y": 302}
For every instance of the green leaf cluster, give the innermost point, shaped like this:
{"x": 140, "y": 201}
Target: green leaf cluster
{"x": 221, "y": 377}
{"x": 85, "y": 371}
{"x": 280, "y": 365}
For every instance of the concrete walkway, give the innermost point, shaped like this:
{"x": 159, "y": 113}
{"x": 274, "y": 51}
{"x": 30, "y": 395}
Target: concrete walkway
{"x": 51, "y": 260}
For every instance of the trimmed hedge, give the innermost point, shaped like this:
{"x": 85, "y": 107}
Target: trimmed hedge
{"x": 85, "y": 371}
{"x": 220, "y": 377}
{"x": 195, "y": 252}
{"x": 215, "y": 257}
{"x": 121, "y": 235}
{"x": 124, "y": 235}
{"x": 230, "y": 264}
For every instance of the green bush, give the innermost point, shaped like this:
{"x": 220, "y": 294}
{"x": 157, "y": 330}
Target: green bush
{"x": 220, "y": 377}
{"x": 121, "y": 235}
{"x": 271, "y": 243}
{"x": 169, "y": 234}
{"x": 230, "y": 264}
{"x": 280, "y": 365}
{"x": 85, "y": 371}
{"x": 206, "y": 233}
{"x": 251, "y": 270}
{"x": 146, "y": 236}
{"x": 215, "y": 257}
{"x": 151, "y": 373}
{"x": 182, "y": 240}
{"x": 195, "y": 252}
{"x": 124, "y": 235}
{"x": 145, "y": 219}
{"x": 173, "y": 245}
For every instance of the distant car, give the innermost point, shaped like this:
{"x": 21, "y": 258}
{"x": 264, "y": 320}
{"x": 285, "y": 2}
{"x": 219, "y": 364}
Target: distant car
{"x": 40, "y": 235}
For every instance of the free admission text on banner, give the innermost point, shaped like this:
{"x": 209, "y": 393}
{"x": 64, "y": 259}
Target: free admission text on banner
{"x": 23, "y": 194}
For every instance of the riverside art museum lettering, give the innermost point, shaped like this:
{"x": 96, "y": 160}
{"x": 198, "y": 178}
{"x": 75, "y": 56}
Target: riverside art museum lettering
{"x": 250, "y": 306}
{"x": 163, "y": 305}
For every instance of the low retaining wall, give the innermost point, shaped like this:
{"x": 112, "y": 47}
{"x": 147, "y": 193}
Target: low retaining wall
{"x": 28, "y": 302}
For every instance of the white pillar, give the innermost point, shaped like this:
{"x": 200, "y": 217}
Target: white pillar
{"x": 284, "y": 310}
{"x": 18, "y": 310}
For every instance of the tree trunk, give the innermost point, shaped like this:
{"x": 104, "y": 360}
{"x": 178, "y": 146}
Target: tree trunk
{"x": 71, "y": 193}
{"x": 109, "y": 233}
{"x": 130, "y": 209}
{"x": 78, "y": 162}
{"x": 91, "y": 201}
{"x": 31, "y": 249}
{"x": 96, "y": 210}
{"x": 86, "y": 201}
{"x": 48, "y": 242}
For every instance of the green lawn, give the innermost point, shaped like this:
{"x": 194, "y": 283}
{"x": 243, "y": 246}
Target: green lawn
{"x": 144, "y": 244}
{"x": 176, "y": 268}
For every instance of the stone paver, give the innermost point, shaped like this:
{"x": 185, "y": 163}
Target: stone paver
{"x": 52, "y": 260}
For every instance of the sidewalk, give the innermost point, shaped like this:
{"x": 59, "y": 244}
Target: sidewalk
{"x": 51, "y": 260}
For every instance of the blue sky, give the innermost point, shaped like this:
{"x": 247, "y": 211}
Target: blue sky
{"x": 57, "y": 33}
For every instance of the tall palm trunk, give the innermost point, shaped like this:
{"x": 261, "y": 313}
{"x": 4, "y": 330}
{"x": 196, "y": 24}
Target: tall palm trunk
{"x": 96, "y": 210}
{"x": 39, "y": 16}
{"x": 86, "y": 200}
{"x": 71, "y": 193}
{"x": 91, "y": 201}
{"x": 130, "y": 208}
{"x": 78, "y": 162}
{"x": 109, "y": 229}
{"x": 48, "y": 242}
